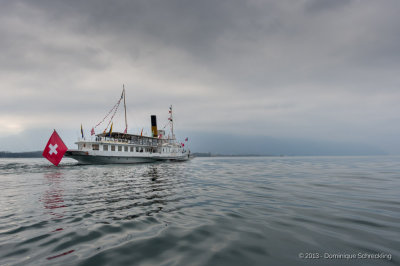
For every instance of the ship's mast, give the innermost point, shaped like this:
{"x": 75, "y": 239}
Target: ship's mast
{"x": 172, "y": 122}
{"x": 126, "y": 123}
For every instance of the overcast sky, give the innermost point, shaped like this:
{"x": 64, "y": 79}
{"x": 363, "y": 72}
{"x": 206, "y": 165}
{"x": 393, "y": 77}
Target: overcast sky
{"x": 318, "y": 70}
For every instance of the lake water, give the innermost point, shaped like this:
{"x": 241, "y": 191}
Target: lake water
{"x": 207, "y": 211}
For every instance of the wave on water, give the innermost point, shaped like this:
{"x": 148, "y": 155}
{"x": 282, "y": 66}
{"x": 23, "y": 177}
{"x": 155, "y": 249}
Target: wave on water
{"x": 207, "y": 211}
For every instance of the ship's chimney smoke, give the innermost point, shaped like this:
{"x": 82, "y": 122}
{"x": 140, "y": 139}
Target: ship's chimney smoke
{"x": 154, "y": 126}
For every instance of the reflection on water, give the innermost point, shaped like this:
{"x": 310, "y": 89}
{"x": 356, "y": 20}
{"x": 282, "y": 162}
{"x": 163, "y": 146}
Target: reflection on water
{"x": 208, "y": 211}
{"x": 53, "y": 197}
{"x": 153, "y": 174}
{"x": 53, "y": 203}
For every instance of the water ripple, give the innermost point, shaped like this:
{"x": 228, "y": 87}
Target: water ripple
{"x": 208, "y": 211}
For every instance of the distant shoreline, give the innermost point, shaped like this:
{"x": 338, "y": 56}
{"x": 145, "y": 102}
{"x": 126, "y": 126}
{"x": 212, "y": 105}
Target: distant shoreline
{"x": 29, "y": 154}
{"x": 208, "y": 154}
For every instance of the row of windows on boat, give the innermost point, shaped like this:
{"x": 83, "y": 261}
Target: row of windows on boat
{"x": 96, "y": 147}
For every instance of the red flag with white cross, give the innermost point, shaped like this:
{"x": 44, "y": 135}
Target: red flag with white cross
{"x": 55, "y": 149}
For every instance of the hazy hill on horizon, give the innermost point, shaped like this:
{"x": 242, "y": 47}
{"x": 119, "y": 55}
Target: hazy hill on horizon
{"x": 261, "y": 145}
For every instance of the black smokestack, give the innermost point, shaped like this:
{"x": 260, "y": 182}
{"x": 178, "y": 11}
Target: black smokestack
{"x": 154, "y": 126}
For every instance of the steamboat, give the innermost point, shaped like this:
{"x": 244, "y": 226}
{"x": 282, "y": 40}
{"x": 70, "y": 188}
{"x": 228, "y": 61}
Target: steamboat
{"x": 122, "y": 148}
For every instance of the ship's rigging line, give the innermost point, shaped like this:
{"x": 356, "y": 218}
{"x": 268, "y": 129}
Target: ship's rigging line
{"x": 170, "y": 122}
{"x": 115, "y": 111}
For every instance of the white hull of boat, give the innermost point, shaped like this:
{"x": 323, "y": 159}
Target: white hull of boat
{"x": 86, "y": 158}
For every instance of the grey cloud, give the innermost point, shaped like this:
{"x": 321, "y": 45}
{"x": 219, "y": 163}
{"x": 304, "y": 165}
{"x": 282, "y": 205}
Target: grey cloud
{"x": 325, "y": 5}
{"x": 280, "y": 67}
{"x": 242, "y": 41}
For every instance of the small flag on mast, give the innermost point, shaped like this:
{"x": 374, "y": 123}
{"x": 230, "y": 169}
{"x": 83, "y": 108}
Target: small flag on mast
{"x": 186, "y": 139}
{"x": 82, "y": 131}
{"x": 92, "y": 132}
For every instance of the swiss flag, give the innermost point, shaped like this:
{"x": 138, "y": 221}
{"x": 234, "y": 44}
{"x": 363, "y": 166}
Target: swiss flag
{"x": 55, "y": 149}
